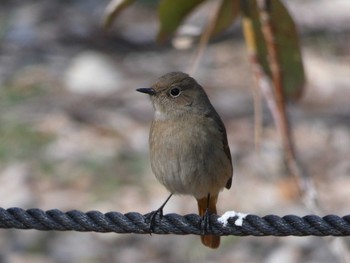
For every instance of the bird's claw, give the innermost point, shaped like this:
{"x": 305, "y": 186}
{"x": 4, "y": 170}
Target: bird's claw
{"x": 152, "y": 217}
{"x": 205, "y": 222}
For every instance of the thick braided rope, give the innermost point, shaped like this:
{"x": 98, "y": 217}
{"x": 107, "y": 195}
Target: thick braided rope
{"x": 270, "y": 225}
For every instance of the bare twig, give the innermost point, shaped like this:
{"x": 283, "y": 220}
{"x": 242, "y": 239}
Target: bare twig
{"x": 262, "y": 83}
{"x": 204, "y": 39}
{"x": 257, "y": 116}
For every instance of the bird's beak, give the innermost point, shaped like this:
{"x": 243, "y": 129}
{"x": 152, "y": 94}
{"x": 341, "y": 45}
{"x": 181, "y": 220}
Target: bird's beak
{"x": 149, "y": 91}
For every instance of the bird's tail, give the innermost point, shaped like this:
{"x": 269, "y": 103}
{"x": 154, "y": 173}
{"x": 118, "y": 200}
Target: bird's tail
{"x": 209, "y": 240}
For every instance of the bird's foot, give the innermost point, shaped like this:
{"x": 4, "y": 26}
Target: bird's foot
{"x": 205, "y": 222}
{"x": 152, "y": 218}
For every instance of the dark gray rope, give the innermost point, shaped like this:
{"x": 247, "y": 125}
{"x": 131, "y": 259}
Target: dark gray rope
{"x": 270, "y": 225}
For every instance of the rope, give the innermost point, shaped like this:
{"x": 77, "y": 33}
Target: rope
{"x": 270, "y": 225}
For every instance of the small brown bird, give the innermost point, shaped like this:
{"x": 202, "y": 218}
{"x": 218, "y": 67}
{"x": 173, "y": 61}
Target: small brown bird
{"x": 188, "y": 143}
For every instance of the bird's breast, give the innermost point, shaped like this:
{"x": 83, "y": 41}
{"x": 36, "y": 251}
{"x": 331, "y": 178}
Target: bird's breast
{"x": 187, "y": 156}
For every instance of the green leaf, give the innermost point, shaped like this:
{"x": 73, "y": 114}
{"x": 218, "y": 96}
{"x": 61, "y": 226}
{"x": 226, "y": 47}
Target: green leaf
{"x": 113, "y": 9}
{"x": 227, "y": 14}
{"x": 286, "y": 39}
{"x": 289, "y": 52}
{"x": 171, "y": 14}
{"x": 254, "y": 38}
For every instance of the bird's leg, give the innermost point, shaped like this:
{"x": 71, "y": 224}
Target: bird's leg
{"x": 206, "y": 217}
{"x": 152, "y": 216}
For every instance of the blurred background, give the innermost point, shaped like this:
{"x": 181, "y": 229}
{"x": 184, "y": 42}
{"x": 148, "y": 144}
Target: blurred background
{"x": 74, "y": 133}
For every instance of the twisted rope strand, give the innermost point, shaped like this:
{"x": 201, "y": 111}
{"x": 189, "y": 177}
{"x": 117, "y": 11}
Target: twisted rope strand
{"x": 253, "y": 225}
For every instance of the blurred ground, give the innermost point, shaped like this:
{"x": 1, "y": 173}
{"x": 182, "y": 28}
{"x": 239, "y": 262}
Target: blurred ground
{"x": 73, "y": 131}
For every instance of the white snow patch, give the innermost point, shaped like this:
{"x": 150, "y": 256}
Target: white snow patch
{"x": 227, "y": 215}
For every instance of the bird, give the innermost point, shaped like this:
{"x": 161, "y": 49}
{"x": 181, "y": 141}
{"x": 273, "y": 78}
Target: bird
{"x": 189, "y": 151}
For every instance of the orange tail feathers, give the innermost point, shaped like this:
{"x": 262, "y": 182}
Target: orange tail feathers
{"x": 209, "y": 240}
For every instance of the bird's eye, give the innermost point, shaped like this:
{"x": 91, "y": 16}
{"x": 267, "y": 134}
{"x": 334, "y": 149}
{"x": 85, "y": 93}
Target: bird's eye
{"x": 174, "y": 92}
